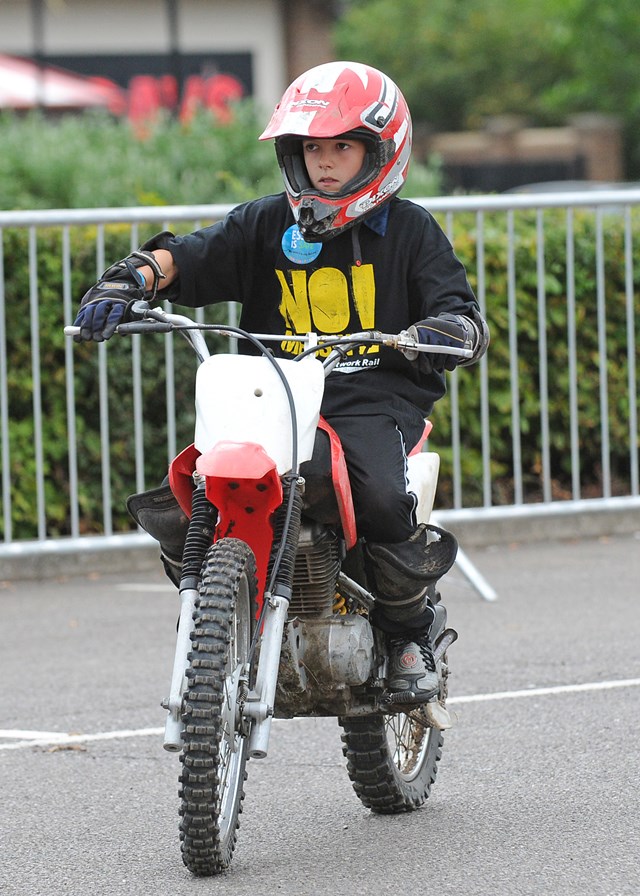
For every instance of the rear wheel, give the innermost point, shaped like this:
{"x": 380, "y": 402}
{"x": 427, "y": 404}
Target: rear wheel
{"x": 214, "y": 753}
{"x": 392, "y": 759}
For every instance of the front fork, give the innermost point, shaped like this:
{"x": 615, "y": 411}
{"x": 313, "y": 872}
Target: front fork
{"x": 259, "y": 704}
{"x": 174, "y": 726}
{"x": 198, "y": 540}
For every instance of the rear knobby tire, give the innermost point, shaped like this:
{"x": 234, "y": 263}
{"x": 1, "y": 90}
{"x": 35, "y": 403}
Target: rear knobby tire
{"x": 392, "y": 760}
{"x": 214, "y": 751}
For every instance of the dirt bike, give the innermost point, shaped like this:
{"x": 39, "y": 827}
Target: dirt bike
{"x": 275, "y": 605}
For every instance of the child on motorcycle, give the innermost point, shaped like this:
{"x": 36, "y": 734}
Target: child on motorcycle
{"x": 337, "y": 252}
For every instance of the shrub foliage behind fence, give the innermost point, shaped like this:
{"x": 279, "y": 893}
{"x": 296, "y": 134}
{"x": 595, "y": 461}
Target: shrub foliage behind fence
{"x": 550, "y": 415}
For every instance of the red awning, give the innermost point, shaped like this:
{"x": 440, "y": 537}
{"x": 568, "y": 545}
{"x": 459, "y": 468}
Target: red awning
{"x": 25, "y": 85}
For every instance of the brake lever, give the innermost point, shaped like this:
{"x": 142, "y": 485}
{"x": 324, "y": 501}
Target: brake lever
{"x": 405, "y": 343}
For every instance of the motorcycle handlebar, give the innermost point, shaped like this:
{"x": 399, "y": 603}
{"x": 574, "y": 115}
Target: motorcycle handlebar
{"x": 154, "y": 320}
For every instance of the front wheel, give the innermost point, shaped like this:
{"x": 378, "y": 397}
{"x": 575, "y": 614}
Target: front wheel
{"x": 214, "y": 752}
{"x": 392, "y": 759}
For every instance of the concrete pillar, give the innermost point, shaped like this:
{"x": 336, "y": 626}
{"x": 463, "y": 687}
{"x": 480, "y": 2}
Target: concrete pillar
{"x": 599, "y": 138}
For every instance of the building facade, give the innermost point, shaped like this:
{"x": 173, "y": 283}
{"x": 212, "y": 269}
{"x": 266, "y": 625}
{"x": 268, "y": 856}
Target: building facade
{"x": 262, "y": 44}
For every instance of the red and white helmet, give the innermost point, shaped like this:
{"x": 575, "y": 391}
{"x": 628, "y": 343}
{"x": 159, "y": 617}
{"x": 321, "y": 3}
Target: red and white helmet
{"x": 341, "y": 99}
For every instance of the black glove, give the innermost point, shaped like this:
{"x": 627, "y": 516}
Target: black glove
{"x": 109, "y": 302}
{"x": 451, "y": 330}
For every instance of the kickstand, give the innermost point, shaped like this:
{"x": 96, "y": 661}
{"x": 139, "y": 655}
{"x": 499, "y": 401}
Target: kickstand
{"x": 471, "y": 573}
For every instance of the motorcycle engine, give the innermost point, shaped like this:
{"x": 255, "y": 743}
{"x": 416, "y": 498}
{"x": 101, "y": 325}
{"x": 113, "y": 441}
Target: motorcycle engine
{"x": 325, "y": 653}
{"x": 316, "y": 571}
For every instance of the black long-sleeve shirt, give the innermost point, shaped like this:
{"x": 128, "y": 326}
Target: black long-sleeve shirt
{"x": 393, "y": 270}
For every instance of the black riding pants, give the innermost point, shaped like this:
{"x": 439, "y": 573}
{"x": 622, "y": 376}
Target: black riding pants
{"x": 376, "y": 459}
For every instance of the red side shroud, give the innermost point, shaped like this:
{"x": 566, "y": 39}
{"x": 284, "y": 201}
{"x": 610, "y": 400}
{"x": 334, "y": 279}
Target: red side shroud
{"x": 181, "y": 477}
{"x": 341, "y": 485}
{"x": 428, "y": 426}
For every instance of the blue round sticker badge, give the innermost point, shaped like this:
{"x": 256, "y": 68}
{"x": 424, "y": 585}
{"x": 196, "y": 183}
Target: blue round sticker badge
{"x": 297, "y": 249}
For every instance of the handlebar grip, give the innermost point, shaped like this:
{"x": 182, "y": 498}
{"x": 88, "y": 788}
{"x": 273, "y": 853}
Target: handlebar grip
{"x": 139, "y": 326}
{"x": 144, "y": 326}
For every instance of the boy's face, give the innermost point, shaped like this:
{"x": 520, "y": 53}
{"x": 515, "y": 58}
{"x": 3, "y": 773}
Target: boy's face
{"x": 332, "y": 162}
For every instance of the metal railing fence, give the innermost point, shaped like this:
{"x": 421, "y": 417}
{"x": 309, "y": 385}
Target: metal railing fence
{"x": 589, "y": 285}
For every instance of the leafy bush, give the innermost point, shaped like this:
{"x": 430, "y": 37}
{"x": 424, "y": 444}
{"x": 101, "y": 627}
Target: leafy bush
{"x": 531, "y": 366}
{"x": 95, "y": 161}
{"x": 111, "y": 167}
{"x": 51, "y": 348}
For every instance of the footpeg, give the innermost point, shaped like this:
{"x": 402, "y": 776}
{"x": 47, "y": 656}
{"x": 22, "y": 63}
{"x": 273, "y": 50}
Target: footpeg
{"x": 404, "y": 702}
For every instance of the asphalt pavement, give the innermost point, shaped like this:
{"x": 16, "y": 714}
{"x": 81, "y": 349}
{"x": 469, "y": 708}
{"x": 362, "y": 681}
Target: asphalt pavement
{"x": 537, "y": 791}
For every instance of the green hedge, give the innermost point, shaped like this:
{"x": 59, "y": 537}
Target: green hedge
{"x": 86, "y": 363}
{"x": 53, "y": 346}
{"x": 94, "y": 161}
{"x": 205, "y": 163}
{"x": 556, "y": 323}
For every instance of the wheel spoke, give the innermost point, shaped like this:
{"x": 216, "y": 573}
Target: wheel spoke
{"x": 407, "y": 739}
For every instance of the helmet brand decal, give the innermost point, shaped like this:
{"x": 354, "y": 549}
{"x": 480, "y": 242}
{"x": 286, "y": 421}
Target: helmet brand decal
{"x": 297, "y": 249}
{"x": 309, "y": 102}
{"x": 366, "y": 203}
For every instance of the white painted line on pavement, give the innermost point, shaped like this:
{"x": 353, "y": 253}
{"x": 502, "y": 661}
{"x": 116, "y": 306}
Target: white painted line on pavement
{"x": 47, "y": 739}
{"x": 61, "y": 739}
{"x": 546, "y": 692}
{"x": 146, "y": 586}
{"x": 31, "y": 735}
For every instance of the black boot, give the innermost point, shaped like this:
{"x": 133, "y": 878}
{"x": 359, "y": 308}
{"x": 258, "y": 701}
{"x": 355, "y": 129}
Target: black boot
{"x": 405, "y": 575}
{"x": 412, "y": 677}
{"x": 407, "y": 567}
{"x": 158, "y": 513}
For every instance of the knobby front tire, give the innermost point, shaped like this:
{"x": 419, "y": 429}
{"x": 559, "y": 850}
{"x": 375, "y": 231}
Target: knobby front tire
{"x": 214, "y": 753}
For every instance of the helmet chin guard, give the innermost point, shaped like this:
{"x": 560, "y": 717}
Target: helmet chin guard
{"x": 341, "y": 99}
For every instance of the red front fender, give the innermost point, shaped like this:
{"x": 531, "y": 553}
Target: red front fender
{"x": 242, "y": 481}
